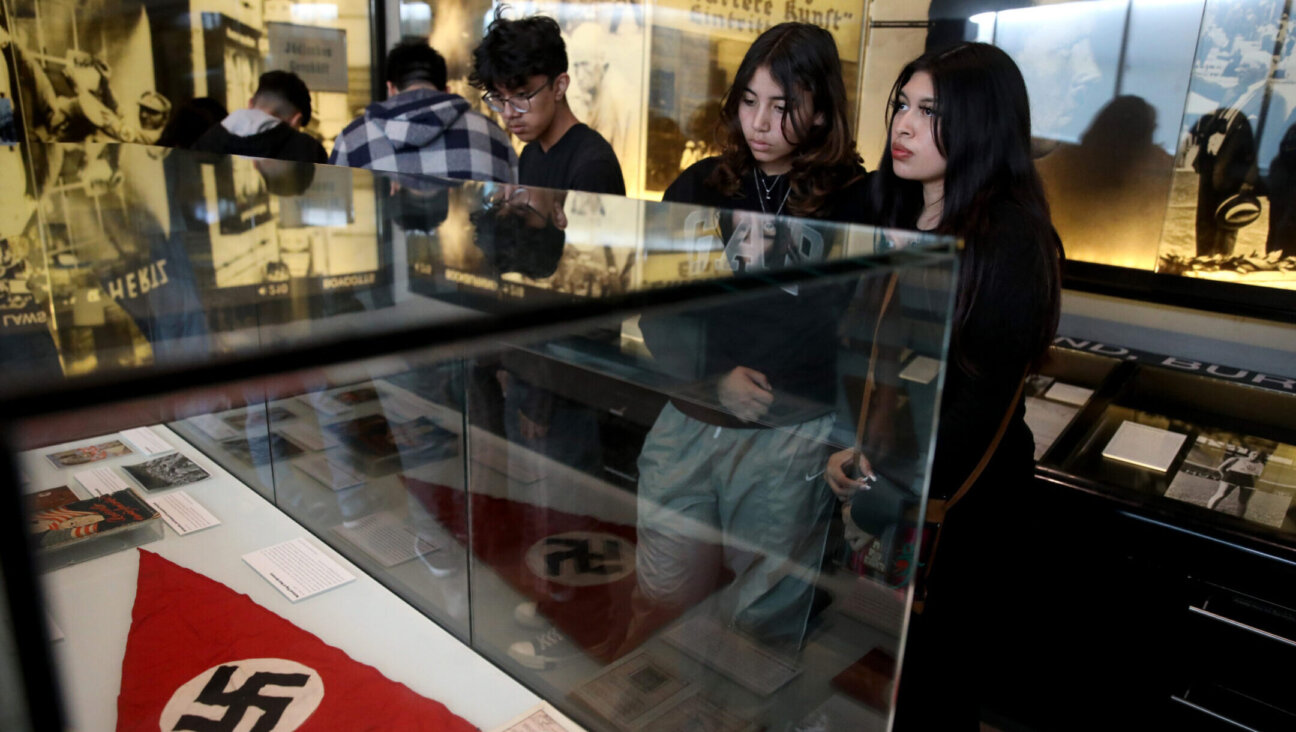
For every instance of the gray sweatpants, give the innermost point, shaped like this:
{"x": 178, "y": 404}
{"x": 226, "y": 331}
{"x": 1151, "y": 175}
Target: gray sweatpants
{"x": 763, "y": 489}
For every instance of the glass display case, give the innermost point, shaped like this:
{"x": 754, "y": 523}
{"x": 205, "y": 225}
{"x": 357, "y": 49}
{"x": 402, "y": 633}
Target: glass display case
{"x": 1166, "y": 485}
{"x": 473, "y": 442}
{"x": 1210, "y": 450}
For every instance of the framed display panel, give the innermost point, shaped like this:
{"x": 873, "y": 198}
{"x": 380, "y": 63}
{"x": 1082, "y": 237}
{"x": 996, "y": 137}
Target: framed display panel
{"x": 471, "y": 442}
{"x": 121, "y": 71}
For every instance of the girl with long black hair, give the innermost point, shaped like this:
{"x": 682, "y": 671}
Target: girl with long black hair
{"x": 958, "y": 162}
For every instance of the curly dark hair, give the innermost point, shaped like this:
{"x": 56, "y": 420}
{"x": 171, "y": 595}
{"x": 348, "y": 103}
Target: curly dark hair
{"x": 515, "y": 50}
{"x": 802, "y": 58}
{"x": 413, "y": 61}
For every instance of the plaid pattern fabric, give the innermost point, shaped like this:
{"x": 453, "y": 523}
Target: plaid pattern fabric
{"x": 427, "y": 132}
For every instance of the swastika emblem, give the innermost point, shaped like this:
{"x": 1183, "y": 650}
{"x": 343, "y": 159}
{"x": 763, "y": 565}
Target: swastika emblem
{"x": 251, "y": 695}
{"x": 581, "y": 558}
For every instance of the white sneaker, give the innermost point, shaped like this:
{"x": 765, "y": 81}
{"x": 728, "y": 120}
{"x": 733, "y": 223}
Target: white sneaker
{"x": 527, "y": 615}
{"x": 544, "y": 651}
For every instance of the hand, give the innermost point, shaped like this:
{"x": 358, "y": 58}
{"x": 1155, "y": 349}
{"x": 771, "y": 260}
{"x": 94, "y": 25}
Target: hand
{"x": 531, "y": 430}
{"x": 839, "y": 470}
{"x": 746, "y": 393}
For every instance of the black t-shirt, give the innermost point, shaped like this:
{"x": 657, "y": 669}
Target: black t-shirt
{"x": 788, "y": 335}
{"x": 581, "y": 160}
{"x": 848, "y": 205}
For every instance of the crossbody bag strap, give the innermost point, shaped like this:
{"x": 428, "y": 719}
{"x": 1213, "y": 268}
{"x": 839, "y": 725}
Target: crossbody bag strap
{"x": 938, "y": 508}
{"x": 869, "y": 378}
{"x": 944, "y": 505}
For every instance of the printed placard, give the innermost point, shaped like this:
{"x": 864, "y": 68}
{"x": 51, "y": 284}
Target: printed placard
{"x": 921, "y": 370}
{"x": 213, "y": 426}
{"x": 146, "y": 441}
{"x": 182, "y": 513}
{"x": 540, "y": 718}
{"x": 733, "y": 655}
{"x": 386, "y": 538}
{"x": 1068, "y": 394}
{"x": 308, "y": 435}
{"x": 331, "y": 473}
{"x": 297, "y": 569}
{"x": 101, "y": 481}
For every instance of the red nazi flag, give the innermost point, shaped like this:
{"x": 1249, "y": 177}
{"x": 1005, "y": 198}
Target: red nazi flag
{"x": 203, "y": 657}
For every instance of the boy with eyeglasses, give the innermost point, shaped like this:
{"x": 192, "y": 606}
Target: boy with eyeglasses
{"x": 423, "y": 129}
{"x": 522, "y": 67}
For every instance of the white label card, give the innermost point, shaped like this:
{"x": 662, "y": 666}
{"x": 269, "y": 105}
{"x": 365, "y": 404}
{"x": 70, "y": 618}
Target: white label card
{"x": 297, "y": 569}
{"x": 213, "y": 426}
{"x": 146, "y": 441}
{"x": 402, "y": 407}
{"x": 752, "y": 666}
{"x": 325, "y": 403}
{"x": 55, "y": 632}
{"x": 922, "y": 370}
{"x": 386, "y": 538}
{"x": 331, "y": 473}
{"x": 1144, "y": 446}
{"x": 541, "y": 718}
{"x": 1068, "y": 394}
{"x": 182, "y": 513}
{"x": 308, "y": 435}
{"x": 101, "y": 481}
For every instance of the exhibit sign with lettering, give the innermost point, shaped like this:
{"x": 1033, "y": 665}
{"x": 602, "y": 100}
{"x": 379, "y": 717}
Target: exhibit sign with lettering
{"x": 317, "y": 55}
{"x": 745, "y": 19}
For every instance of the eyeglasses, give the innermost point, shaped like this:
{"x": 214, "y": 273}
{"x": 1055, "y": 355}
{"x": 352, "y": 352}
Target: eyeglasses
{"x": 517, "y": 201}
{"x": 520, "y": 103}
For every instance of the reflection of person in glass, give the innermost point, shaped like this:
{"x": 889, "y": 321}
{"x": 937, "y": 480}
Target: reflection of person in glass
{"x": 1226, "y": 165}
{"x": 745, "y": 453}
{"x": 1282, "y": 198}
{"x": 959, "y": 163}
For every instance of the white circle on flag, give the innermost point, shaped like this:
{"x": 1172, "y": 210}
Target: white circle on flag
{"x": 236, "y": 695}
{"x": 581, "y": 558}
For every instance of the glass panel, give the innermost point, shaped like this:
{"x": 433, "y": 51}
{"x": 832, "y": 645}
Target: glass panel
{"x": 13, "y": 705}
{"x": 465, "y": 394}
{"x": 653, "y": 539}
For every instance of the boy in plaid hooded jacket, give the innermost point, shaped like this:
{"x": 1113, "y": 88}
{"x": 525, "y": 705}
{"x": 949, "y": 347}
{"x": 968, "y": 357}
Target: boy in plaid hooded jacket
{"x": 423, "y": 130}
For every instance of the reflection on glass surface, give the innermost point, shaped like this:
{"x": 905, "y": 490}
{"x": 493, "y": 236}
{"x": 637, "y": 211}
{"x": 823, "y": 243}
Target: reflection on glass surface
{"x": 123, "y": 256}
{"x": 1160, "y": 127}
{"x": 622, "y": 506}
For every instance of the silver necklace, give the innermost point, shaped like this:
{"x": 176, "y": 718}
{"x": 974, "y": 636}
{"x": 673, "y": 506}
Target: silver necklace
{"x": 769, "y": 191}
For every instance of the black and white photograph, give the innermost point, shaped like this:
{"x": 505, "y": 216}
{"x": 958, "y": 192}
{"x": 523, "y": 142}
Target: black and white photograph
{"x": 168, "y": 471}
{"x": 1232, "y": 210}
{"x": 257, "y": 416}
{"x": 262, "y": 450}
{"x": 1238, "y": 475}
